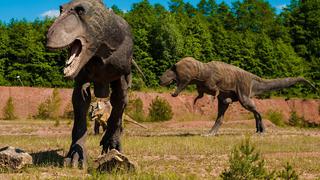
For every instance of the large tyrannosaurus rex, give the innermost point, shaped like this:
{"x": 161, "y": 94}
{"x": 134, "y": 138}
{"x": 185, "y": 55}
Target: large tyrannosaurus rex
{"x": 100, "y": 45}
{"x": 228, "y": 82}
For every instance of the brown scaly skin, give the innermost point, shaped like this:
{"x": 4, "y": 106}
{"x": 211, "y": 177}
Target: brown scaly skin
{"x": 228, "y": 82}
{"x": 100, "y": 53}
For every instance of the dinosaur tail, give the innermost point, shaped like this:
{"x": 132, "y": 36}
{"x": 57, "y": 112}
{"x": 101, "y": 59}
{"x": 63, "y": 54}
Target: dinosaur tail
{"x": 277, "y": 84}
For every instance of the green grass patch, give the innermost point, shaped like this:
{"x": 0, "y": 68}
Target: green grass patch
{"x": 276, "y": 117}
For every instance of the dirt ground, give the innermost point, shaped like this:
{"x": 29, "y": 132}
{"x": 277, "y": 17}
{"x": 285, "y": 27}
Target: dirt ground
{"x": 167, "y": 150}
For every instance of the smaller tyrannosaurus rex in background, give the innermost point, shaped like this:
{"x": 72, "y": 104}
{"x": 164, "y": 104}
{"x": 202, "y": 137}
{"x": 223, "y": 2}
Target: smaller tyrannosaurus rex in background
{"x": 228, "y": 82}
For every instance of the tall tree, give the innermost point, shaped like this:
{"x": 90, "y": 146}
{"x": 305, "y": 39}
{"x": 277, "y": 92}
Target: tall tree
{"x": 4, "y": 43}
{"x": 303, "y": 19}
{"x": 142, "y": 18}
{"x": 207, "y": 7}
{"x": 253, "y": 15}
{"x": 167, "y": 44}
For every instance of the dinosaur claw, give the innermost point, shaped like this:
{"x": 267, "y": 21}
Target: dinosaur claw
{"x": 75, "y": 161}
{"x": 118, "y": 158}
{"x": 67, "y": 162}
{"x": 76, "y": 158}
{"x": 174, "y": 94}
{"x": 84, "y": 92}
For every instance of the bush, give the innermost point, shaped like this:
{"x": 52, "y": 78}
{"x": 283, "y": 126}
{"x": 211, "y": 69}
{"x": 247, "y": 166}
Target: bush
{"x": 297, "y": 121}
{"x": 160, "y": 110}
{"x": 135, "y": 110}
{"x": 245, "y": 163}
{"x": 57, "y": 122}
{"x": 68, "y": 112}
{"x": 50, "y": 108}
{"x": 8, "y": 110}
{"x": 137, "y": 84}
{"x": 275, "y": 117}
{"x": 288, "y": 173}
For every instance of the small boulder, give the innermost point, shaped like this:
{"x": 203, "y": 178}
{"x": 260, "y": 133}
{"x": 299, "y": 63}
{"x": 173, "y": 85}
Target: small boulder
{"x": 13, "y": 158}
{"x": 114, "y": 161}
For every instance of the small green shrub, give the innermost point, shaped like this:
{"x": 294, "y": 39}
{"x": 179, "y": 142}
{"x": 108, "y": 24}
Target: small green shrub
{"x": 68, "y": 112}
{"x": 160, "y": 110}
{"x": 297, "y": 121}
{"x": 276, "y": 117}
{"x": 137, "y": 84}
{"x": 50, "y": 108}
{"x": 245, "y": 163}
{"x": 8, "y": 110}
{"x": 135, "y": 110}
{"x": 288, "y": 173}
{"x": 57, "y": 122}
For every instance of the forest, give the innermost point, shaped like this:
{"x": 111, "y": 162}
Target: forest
{"x": 250, "y": 34}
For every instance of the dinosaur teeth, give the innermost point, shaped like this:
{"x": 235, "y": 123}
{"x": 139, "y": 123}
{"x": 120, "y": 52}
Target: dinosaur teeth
{"x": 75, "y": 51}
{"x": 71, "y": 59}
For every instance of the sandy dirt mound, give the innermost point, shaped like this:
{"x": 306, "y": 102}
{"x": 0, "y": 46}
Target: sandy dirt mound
{"x": 27, "y": 100}
{"x": 207, "y": 107}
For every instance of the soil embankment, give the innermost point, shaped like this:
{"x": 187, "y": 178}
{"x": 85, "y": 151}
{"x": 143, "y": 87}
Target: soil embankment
{"x": 27, "y": 100}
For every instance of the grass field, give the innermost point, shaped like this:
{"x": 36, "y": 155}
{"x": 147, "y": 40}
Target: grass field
{"x": 169, "y": 150}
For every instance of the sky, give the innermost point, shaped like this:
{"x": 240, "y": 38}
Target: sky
{"x": 32, "y": 9}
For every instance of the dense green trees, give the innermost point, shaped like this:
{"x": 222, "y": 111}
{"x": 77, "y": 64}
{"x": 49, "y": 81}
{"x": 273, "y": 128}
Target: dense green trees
{"x": 248, "y": 34}
{"x": 23, "y": 54}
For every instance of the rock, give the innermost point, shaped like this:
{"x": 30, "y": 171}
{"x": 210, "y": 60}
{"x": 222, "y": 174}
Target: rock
{"x": 114, "y": 161}
{"x": 13, "y": 158}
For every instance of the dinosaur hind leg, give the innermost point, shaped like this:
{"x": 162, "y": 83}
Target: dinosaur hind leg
{"x": 200, "y": 95}
{"x": 222, "y": 108}
{"x": 96, "y": 127}
{"x": 118, "y": 100}
{"x": 248, "y": 104}
{"x": 76, "y": 156}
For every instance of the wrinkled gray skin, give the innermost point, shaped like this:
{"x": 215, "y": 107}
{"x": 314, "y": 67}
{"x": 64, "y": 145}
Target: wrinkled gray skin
{"x": 228, "y": 82}
{"x": 100, "y": 44}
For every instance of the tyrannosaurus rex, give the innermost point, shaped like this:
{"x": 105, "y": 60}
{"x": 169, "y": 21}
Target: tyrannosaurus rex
{"x": 100, "y": 44}
{"x": 228, "y": 82}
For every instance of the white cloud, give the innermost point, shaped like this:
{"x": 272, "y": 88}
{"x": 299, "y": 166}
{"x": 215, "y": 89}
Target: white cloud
{"x": 51, "y": 13}
{"x": 281, "y": 6}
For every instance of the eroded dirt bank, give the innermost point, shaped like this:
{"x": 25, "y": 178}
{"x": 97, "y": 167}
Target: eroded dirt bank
{"x": 27, "y": 100}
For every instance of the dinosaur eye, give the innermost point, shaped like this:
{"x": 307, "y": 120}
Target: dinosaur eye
{"x": 79, "y": 10}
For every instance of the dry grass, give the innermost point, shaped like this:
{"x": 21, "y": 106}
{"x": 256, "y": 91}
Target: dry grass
{"x": 170, "y": 150}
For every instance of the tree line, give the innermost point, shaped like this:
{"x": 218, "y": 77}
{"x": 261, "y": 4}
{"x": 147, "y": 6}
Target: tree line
{"x": 248, "y": 34}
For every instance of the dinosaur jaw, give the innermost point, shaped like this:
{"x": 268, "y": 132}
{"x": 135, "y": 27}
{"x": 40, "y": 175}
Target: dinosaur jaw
{"x": 165, "y": 82}
{"x": 79, "y": 55}
{"x": 75, "y": 61}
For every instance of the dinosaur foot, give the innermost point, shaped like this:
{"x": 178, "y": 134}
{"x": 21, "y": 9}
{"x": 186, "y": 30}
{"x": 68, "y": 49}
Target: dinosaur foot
{"x": 109, "y": 142}
{"x": 76, "y": 157}
{"x": 174, "y": 94}
{"x": 114, "y": 161}
{"x": 209, "y": 134}
{"x": 260, "y": 130}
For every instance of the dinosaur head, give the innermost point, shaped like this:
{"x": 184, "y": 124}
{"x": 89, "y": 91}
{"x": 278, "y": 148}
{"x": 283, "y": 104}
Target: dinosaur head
{"x": 78, "y": 28}
{"x": 167, "y": 77}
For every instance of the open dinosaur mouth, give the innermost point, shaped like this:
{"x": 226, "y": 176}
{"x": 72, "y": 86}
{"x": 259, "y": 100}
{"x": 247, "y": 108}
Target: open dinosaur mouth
{"x": 72, "y": 64}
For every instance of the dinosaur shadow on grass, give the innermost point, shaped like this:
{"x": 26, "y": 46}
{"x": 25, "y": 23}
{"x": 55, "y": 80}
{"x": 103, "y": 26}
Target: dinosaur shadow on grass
{"x": 48, "y": 158}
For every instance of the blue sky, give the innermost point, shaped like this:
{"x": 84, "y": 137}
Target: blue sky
{"x": 31, "y": 9}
